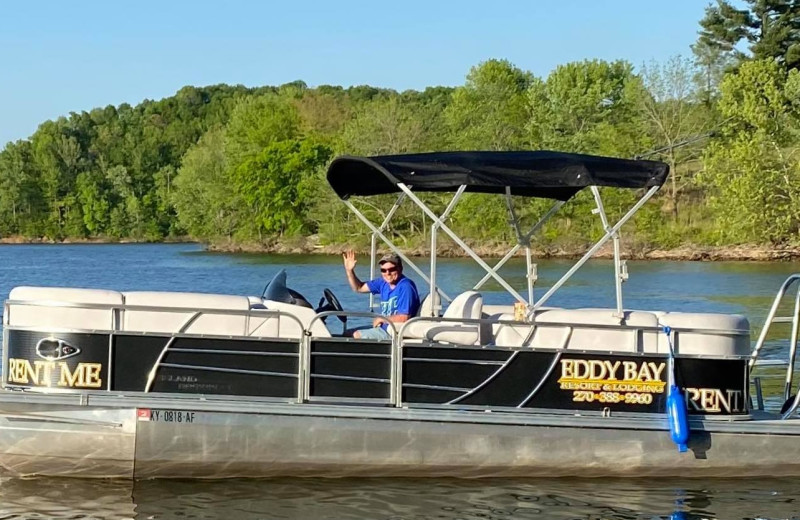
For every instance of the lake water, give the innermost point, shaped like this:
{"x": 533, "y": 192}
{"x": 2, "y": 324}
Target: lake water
{"x": 730, "y": 287}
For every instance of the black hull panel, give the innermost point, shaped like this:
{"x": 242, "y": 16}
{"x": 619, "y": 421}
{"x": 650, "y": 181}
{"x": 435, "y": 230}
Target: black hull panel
{"x": 346, "y": 370}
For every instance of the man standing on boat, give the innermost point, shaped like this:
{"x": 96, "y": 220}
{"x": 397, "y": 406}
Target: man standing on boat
{"x": 399, "y": 296}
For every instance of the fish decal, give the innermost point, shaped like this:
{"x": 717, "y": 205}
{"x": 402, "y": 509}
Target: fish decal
{"x": 54, "y": 349}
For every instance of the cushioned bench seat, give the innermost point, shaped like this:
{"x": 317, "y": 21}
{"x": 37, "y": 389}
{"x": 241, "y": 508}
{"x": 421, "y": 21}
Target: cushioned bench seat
{"x": 62, "y": 317}
{"x": 465, "y": 306}
{"x": 288, "y": 327}
{"x": 608, "y": 336}
{"x": 171, "y": 313}
{"x": 714, "y": 334}
{"x": 720, "y": 343}
{"x": 257, "y": 324}
{"x": 179, "y": 309}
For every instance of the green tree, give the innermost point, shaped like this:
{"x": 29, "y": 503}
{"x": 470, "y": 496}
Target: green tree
{"x": 255, "y": 123}
{"x": 771, "y": 27}
{"x": 164, "y": 207}
{"x": 753, "y": 168}
{"x": 489, "y": 111}
{"x": 275, "y": 184}
{"x": 322, "y": 114}
{"x": 204, "y": 200}
{"x": 21, "y": 205}
{"x": 668, "y": 104}
{"x": 713, "y": 56}
{"x": 586, "y": 107}
{"x": 385, "y": 126}
{"x": 93, "y": 197}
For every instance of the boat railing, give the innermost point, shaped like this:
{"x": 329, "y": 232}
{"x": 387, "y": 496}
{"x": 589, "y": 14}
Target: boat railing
{"x": 397, "y": 343}
{"x": 533, "y": 325}
{"x": 347, "y": 314}
{"x": 394, "y": 386}
{"x": 794, "y": 320}
{"x": 116, "y": 322}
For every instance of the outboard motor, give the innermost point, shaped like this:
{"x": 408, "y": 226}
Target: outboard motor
{"x": 277, "y": 291}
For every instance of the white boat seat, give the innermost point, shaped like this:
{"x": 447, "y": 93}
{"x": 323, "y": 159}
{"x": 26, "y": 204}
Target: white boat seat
{"x": 178, "y": 308}
{"x": 256, "y": 302}
{"x": 264, "y": 324}
{"x": 467, "y": 305}
{"x": 429, "y": 303}
{"x": 718, "y": 343}
{"x": 286, "y": 327}
{"x": 55, "y": 317}
{"x": 490, "y": 311}
{"x": 626, "y": 336}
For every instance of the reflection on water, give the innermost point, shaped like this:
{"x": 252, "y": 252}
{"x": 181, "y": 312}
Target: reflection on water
{"x": 402, "y": 499}
{"x": 65, "y": 498}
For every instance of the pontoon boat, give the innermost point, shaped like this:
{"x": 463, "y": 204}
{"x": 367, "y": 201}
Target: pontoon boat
{"x": 100, "y": 383}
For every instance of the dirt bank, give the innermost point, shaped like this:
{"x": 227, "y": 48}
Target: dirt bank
{"x": 311, "y": 245}
{"x": 757, "y": 253}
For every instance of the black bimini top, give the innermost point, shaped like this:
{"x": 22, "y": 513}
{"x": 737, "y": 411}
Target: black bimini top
{"x": 552, "y": 175}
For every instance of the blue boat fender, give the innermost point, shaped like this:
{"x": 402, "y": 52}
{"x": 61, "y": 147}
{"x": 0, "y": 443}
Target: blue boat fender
{"x": 677, "y": 415}
{"x": 678, "y": 418}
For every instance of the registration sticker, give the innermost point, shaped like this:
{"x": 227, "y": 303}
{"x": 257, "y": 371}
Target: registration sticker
{"x": 143, "y": 414}
{"x": 171, "y": 416}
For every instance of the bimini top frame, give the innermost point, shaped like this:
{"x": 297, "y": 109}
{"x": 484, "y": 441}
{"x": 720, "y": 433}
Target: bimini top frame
{"x": 543, "y": 174}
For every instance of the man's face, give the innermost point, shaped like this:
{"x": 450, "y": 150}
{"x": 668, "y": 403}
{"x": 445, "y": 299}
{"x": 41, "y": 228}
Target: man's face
{"x": 390, "y": 272}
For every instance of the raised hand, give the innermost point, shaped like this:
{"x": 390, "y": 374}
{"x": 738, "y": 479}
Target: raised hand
{"x": 350, "y": 261}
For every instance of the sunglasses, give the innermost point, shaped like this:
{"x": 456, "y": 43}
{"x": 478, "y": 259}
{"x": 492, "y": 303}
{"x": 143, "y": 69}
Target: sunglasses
{"x": 389, "y": 270}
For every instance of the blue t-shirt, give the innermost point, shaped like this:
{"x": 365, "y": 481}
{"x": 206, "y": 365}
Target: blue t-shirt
{"x": 403, "y": 299}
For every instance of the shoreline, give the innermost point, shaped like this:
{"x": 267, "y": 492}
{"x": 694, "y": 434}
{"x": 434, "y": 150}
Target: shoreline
{"x": 309, "y": 246}
{"x": 692, "y": 253}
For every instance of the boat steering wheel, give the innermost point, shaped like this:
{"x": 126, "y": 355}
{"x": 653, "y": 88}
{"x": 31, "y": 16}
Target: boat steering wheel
{"x": 331, "y": 304}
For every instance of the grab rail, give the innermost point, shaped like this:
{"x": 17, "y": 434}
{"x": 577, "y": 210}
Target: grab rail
{"x": 152, "y": 375}
{"x": 116, "y": 324}
{"x": 794, "y": 319}
{"x": 399, "y": 334}
{"x": 394, "y": 361}
{"x": 564, "y": 324}
{"x": 196, "y": 313}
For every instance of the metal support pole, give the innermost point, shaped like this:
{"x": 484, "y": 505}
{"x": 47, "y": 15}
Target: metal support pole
{"x": 497, "y": 266}
{"x": 523, "y": 241}
{"x": 595, "y": 247}
{"x": 787, "y": 392}
{"x": 770, "y": 317}
{"x": 374, "y": 244}
{"x": 434, "y": 236}
{"x": 460, "y": 242}
{"x": 373, "y": 250}
{"x": 512, "y": 216}
{"x": 615, "y": 237}
{"x": 552, "y": 211}
{"x": 433, "y": 309}
{"x": 529, "y": 274}
{"x": 391, "y": 245}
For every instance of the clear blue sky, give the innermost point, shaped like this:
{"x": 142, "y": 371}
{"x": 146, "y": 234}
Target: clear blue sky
{"x": 58, "y": 57}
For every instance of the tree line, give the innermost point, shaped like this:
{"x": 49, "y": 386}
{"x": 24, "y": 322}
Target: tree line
{"x": 246, "y": 165}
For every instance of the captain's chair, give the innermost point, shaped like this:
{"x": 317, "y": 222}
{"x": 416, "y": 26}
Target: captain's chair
{"x": 429, "y": 305}
{"x": 467, "y": 305}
